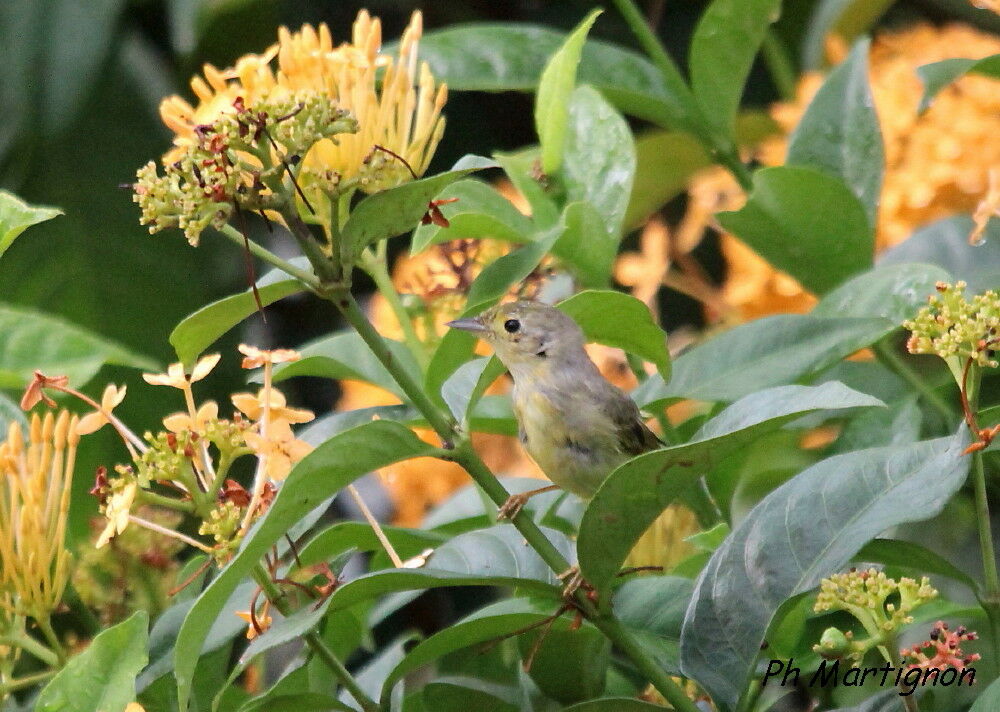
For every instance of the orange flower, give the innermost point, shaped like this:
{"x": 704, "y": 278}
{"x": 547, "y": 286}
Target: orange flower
{"x": 279, "y": 452}
{"x": 176, "y": 377}
{"x": 258, "y": 623}
{"x": 255, "y": 358}
{"x": 179, "y": 422}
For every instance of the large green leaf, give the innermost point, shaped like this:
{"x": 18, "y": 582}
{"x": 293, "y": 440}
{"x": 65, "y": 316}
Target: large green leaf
{"x": 988, "y": 700}
{"x": 200, "y": 330}
{"x": 599, "y": 163}
{"x": 460, "y": 694}
{"x": 614, "y": 704}
{"x": 894, "y": 292}
{"x": 585, "y": 245}
{"x": 346, "y": 356}
{"x": 803, "y": 531}
{"x": 510, "y": 57}
{"x": 16, "y": 216}
{"x": 371, "y": 676}
{"x": 620, "y": 320}
{"x": 492, "y": 622}
{"x": 636, "y": 493}
{"x": 326, "y": 470}
{"x": 480, "y": 211}
{"x": 397, "y": 210}
{"x": 806, "y": 223}
{"x": 665, "y": 161}
{"x": 767, "y": 352}
{"x": 521, "y": 168}
{"x": 344, "y": 536}
{"x": 913, "y": 556}
{"x": 31, "y": 340}
{"x": 466, "y": 385}
{"x": 554, "y": 88}
{"x": 102, "y": 677}
{"x": 723, "y": 48}
{"x": 839, "y": 133}
{"x": 945, "y": 243}
{"x": 846, "y": 19}
{"x": 938, "y": 75}
{"x": 652, "y": 608}
{"x": 567, "y": 665}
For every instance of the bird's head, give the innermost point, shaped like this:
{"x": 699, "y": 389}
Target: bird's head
{"x": 526, "y": 334}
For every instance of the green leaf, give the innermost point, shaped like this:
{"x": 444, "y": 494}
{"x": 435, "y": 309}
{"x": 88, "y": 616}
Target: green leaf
{"x": 723, "y": 48}
{"x": 614, "y": 704}
{"x": 805, "y": 530}
{"x": 554, "y": 88}
{"x": 521, "y": 168}
{"x": 915, "y": 557}
{"x": 894, "y": 292}
{"x": 10, "y": 412}
{"x": 344, "y": 536}
{"x": 324, "y": 428}
{"x": 510, "y": 57}
{"x": 585, "y": 245}
{"x": 480, "y": 212}
{"x": 599, "y": 162}
{"x": 326, "y": 470}
{"x": 371, "y": 676}
{"x": 397, "y": 210}
{"x": 492, "y": 622}
{"x": 839, "y": 133}
{"x": 345, "y": 356}
{"x": 16, "y": 216}
{"x": 567, "y": 665}
{"x": 666, "y": 160}
{"x": 489, "y": 557}
{"x": 937, "y": 75}
{"x": 945, "y": 243}
{"x": 637, "y": 492}
{"x": 767, "y": 352}
{"x": 466, "y": 385}
{"x": 299, "y": 702}
{"x": 200, "y": 330}
{"x": 102, "y": 677}
{"x": 844, "y": 18}
{"x": 620, "y": 320}
{"x": 988, "y": 700}
{"x": 31, "y": 340}
{"x": 652, "y": 609}
{"x": 460, "y": 694}
{"x": 467, "y": 509}
{"x": 806, "y": 223}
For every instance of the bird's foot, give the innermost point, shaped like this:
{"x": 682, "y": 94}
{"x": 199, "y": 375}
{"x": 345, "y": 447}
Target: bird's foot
{"x": 572, "y": 580}
{"x": 514, "y": 504}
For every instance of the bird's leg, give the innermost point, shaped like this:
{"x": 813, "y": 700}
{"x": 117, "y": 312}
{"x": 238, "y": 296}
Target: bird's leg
{"x": 573, "y": 579}
{"x": 515, "y": 502}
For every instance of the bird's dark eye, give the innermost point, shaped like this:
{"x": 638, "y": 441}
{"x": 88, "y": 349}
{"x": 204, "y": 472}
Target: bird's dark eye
{"x": 512, "y": 325}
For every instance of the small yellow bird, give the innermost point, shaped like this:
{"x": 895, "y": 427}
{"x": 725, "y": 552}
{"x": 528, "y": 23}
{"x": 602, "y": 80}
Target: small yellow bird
{"x": 576, "y": 425}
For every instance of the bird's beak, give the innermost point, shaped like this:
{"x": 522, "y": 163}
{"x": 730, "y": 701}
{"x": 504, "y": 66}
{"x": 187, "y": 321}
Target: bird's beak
{"x": 467, "y": 325}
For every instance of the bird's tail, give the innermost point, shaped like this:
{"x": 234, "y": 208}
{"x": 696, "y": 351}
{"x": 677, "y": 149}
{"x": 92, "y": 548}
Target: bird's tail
{"x": 663, "y": 543}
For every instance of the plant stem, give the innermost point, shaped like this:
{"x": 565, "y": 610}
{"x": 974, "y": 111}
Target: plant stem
{"x": 315, "y": 642}
{"x": 891, "y": 360}
{"x": 160, "y": 500}
{"x": 354, "y": 316}
{"x": 649, "y": 41}
{"x": 304, "y": 276}
{"x": 45, "y": 625}
{"x": 22, "y": 682}
{"x": 377, "y": 270}
{"x": 466, "y": 456}
{"x": 31, "y": 646}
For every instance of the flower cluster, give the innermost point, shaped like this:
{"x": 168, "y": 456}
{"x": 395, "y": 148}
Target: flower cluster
{"x": 326, "y": 120}
{"x": 952, "y": 326}
{"x": 36, "y": 475}
{"x": 945, "y": 648}
{"x": 240, "y": 160}
{"x": 865, "y": 594}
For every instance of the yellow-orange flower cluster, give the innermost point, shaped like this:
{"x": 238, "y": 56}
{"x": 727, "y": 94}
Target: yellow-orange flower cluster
{"x": 937, "y": 162}
{"x": 396, "y": 103}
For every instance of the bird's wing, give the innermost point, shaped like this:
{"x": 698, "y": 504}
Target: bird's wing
{"x": 634, "y": 438}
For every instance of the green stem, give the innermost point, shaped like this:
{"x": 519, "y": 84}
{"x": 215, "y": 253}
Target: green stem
{"x": 22, "y": 682}
{"x": 84, "y": 617}
{"x": 780, "y": 65}
{"x": 160, "y": 500}
{"x": 31, "y": 646}
{"x": 45, "y": 625}
{"x": 315, "y": 642}
{"x": 466, "y": 456}
{"x": 891, "y": 360}
{"x": 322, "y": 264}
{"x": 304, "y": 276}
{"x": 649, "y": 41}
{"x": 441, "y": 423}
{"x": 377, "y": 270}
